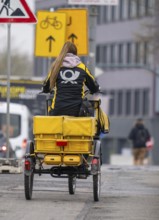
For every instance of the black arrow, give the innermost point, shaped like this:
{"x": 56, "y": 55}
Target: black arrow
{"x": 50, "y": 39}
{"x": 72, "y": 37}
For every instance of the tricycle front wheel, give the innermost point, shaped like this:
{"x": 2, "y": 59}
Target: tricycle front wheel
{"x": 71, "y": 184}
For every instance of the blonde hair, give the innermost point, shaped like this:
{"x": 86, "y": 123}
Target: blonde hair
{"x": 68, "y": 47}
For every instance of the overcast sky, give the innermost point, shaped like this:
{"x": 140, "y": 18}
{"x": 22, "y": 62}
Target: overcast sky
{"x": 22, "y": 35}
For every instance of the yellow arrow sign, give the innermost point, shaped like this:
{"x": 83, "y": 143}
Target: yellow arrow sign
{"x": 50, "y": 33}
{"x": 77, "y": 28}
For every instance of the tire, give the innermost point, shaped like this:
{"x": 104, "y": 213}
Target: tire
{"x": 72, "y": 184}
{"x": 28, "y": 185}
{"x": 96, "y": 186}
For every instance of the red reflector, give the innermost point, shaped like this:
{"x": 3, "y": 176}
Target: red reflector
{"x": 27, "y": 165}
{"x": 95, "y": 161}
{"x": 61, "y": 143}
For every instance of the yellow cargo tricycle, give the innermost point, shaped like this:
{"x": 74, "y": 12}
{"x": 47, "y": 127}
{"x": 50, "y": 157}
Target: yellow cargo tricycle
{"x": 66, "y": 147}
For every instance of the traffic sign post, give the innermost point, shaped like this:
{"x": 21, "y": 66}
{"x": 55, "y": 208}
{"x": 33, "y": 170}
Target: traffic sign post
{"x": 13, "y": 11}
{"x": 50, "y": 33}
{"x": 77, "y": 28}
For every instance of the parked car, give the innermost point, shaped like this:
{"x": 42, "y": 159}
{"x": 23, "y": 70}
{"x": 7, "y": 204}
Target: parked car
{"x": 3, "y": 147}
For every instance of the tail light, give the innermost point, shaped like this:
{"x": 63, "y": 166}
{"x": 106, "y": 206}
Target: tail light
{"x": 24, "y": 143}
{"x": 27, "y": 165}
{"x": 4, "y": 148}
{"x": 61, "y": 143}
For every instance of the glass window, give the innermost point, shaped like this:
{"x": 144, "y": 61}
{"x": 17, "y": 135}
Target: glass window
{"x": 15, "y": 124}
{"x": 128, "y": 53}
{"x": 104, "y": 58}
{"x": 145, "y": 52}
{"x": 113, "y": 10}
{"x": 129, "y": 9}
{"x": 137, "y": 52}
{"x": 146, "y": 7}
{"x": 112, "y": 103}
{"x": 128, "y": 102}
{"x": 121, "y": 6}
{"x": 98, "y": 14}
{"x": 138, "y": 8}
{"x": 105, "y": 14}
{"x": 137, "y": 102}
{"x": 120, "y": 102}
{"x": 120, "y": 53}
{"x": 145, "y": 102}
{"x": 112, "y": 53}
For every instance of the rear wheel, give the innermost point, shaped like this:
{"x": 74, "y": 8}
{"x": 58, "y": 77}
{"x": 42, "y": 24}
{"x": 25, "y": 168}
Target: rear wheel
{"x": 71, "y": 184}
{"x": 28, "y": 185}
{"x": 96, "y": 186}
{"x": 97, "y": 180}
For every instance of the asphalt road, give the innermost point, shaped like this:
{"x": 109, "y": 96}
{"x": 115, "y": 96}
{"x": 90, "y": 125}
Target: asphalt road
{"x": 128, "y": 193}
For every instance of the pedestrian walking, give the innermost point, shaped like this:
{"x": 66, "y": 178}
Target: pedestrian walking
{"x": 139, "y": 135}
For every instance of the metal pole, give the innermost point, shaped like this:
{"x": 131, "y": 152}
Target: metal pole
{"x": 8, "y": 86}
{"x": 92, "y": 38}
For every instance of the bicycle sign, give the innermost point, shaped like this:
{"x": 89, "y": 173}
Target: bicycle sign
{"x": 51, "y": 21}
{"x": 50, "y": 33}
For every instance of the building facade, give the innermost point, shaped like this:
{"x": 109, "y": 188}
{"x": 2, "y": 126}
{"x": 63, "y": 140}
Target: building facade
{"x": 129, "y": 65}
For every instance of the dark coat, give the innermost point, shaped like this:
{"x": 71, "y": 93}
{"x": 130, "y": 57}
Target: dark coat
{"x": 69, "y": 89}
{"x": 134, "y": 136}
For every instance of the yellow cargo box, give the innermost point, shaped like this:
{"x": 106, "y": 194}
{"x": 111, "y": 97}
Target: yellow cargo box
{"x": 78, "y": 146}
{"x": 79, "y": 126}
{"x": 43, "y": 145}
{"x": 52, "y": 159}
{"x": 72, "y": 160}
{"x": 47, "y": 124}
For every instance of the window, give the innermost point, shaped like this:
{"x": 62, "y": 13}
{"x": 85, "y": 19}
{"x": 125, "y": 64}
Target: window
{"x": 112, "y": 103}
{"x": 138, "y": 8}
{"x": 145, "y": 52}
{"x": 105, "y": 14}
{"x": 128, "y": 53}
{"x": 128, "y": 102}
{"x": 120, "y": 102}
{"x": 98, "y": 15}
{"x": 120, "y": 53}
{"x": 113, "y": 10}
{"x": 129, "y": 9}
{"x": 137, "y": 102}
{"x": 121, "y": 6}
{"x": 112, "y": 53}
{"x": 137, "y": 52}
{"x": 145, "y": 107}
{"x": 104, "y": 58}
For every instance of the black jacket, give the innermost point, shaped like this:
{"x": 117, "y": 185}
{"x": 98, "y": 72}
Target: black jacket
{"x": 135, "y": 133}
{"x": 69, "y": 89}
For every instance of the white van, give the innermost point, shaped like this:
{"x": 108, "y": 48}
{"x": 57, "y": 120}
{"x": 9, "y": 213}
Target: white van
{"x": 20, "y": 126}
